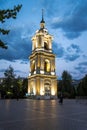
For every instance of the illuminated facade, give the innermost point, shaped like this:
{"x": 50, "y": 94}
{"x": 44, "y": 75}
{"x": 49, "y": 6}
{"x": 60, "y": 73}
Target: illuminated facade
{"x": 42, "y": 80}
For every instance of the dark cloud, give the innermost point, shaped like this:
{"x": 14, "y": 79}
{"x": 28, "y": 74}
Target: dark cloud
{"x": 84, "y": 56}
{"x": 19, "y": 45}
{"x": 72, "y": 57}
{"x": 2, "y": 70}
{"x": 58, "y": 50}
{"x": 82, "y": 67}
{"x": 75, "y": 22}
{"x": 83, "y": 63}
{"x": 26, "y": 61}
{"x": 75, "y": 74}
{"x": 71, "y": 53}
{"x": 74, "y": 47}
{"x": 18, "y": 71}
{"x": 72, "y": 35}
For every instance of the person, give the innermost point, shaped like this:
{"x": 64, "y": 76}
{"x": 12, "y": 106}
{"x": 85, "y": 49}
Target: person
{"x": 61, "y": 98}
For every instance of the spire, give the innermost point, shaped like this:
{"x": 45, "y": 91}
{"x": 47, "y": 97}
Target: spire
{"x": 43, "y": 15}
{"x": 42, "y": 23}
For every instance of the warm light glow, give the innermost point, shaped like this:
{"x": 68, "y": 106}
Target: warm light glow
{"x": 48, "y": 67}
{"x": 29, "y": 90}
{"x": 34, "y": 72}
{"x": 52, "y": 73}
{"x": 37, "y": 49}
{"x": 36, "y": 44}
{"x": 34, "y": 91}
{"x": 41, "y": 91}
{"x": 53, "y": 92}
{"x": 42, "y": 72}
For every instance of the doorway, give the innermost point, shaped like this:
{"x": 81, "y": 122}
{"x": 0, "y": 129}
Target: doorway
{"x": 47, "y": 91}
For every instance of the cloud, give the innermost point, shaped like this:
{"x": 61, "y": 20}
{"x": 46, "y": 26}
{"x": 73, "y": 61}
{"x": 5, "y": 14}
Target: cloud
{"x": 2, "y": 70}
{"x": 84, "y": 56}
{"x": 26, "y": 61}
{"x": 19, "y": 44}
{"x": 82, "y": 67}
{"x": 74, "y": 48}
{"x": 71, "y": 57}
{"x": 83, "y": 63}
{"x": 58, "y": 50}
{"x": 49, "y": 7}
{"x": 74, "y": 22}
{"x": 71, "y": 53}
{"x": 18, "y": 71}
{"x": 72, "y": 35}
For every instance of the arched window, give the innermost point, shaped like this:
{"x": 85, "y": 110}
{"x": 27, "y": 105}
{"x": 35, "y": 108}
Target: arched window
{"x": 46, "y": 46}
{"x": 33, "y": 66}
{"x": 39, "y": 41}
{"x": 47, "y": 66}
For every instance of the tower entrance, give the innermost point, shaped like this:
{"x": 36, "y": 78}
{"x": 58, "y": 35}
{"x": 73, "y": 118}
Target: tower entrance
{"x": 47, "y": 89}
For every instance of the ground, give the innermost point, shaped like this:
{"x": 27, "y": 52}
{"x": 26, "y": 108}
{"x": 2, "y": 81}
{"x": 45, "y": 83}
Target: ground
{"x": 26, "y": 114}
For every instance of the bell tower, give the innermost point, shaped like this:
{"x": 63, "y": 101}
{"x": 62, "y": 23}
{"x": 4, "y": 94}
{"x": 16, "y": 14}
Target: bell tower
{"x": 42, "y": 79}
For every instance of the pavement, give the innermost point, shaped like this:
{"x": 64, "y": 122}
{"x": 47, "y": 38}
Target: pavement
{"x": 26, "y": 114}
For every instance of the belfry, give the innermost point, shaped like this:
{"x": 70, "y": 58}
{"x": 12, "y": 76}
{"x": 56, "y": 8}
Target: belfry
{"x": 42, "y": 79}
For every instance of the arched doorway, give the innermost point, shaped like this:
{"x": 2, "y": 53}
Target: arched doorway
{"x": 47, "y": 90}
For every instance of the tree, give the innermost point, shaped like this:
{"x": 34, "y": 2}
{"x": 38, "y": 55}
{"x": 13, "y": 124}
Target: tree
{"x": 4, "y": 15}
{"x": 67, "y": 79}
{"x": 82, "y": 87}
{"x": 67, "y": 87}
{"x": 25, "y": 86}
{"x": 9, "y": 80}
{"x": 12, "y": 86}
{"x": 85, "y": 85}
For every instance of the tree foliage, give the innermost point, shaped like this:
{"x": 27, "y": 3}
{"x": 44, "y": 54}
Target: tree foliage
{"x": 9, "y": 78}
{"x": 4, "y": 15}
{"x": 12, "y": 86}
{"x": 82, "y": 87}
{"x": 65, "y": 85}
{"x": 67, "y": 81}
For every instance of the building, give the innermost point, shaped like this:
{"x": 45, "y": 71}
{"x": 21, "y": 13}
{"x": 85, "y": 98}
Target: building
{"x": 42, "y": 79}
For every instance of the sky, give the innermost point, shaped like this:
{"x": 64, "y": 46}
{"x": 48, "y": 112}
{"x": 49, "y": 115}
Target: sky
{"x": 66, "y": 20}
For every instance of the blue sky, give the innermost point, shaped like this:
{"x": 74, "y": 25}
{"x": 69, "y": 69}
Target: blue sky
{"x": 65, "y": 20}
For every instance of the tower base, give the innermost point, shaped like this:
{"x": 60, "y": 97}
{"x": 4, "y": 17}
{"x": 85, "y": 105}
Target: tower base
{"x": 46, "y": 97}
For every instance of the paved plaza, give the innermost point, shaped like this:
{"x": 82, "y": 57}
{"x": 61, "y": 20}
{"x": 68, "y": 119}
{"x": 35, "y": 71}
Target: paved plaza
{"x": 27, "y": 114}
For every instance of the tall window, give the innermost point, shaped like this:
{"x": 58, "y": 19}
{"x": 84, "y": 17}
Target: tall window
{"x": 33, "y": 66}
{"x": 47, "y": 66}
{"x": 46, "y": 45}
{"x": 39, "y": 41}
